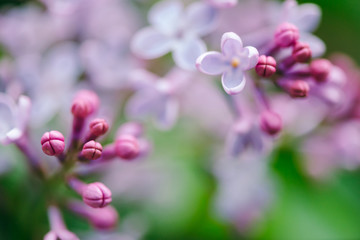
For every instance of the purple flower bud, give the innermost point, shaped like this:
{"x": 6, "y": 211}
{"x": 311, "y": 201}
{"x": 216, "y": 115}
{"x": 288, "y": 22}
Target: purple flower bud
{"x": 286, "y": 35}
{"x": 301, "y": 52}
{"x": 270, "y": 122}
{"x": 127, "y": 147}
{"x": 98, "y": 127}
{"x": 131, "y": 128}
{"x": 266, "y": 66}
{"x": 53, "y": 143}
{"x": 103, "y": 219}
{"x": 320, "y": 69}
{"x": 96, "y": 195}
{"x": 92, "y": 150}
{"x": 85, "y": 103}
{"x": 298, "y": 88}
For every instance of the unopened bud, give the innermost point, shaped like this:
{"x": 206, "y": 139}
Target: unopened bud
{"x": 270, "y": 122}
{"x": 286, "y": 35}
{"x": 320, "y": 69}
{"x": 53, "y": 143}
{"x": 103, "y": 219}
{"x": 127, "y": 147}
{"x": 85, "y": 103}
{"x": 91, "y": 150}
{"x": 96, "y": 195}
{"x": 266, "y": 66}
{"x": 301, "y": 52}
{"x": 298, "y": 89}
{"x": 98, "y": 127}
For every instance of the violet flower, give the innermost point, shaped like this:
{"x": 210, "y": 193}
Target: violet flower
{"x": 157, "y": 97}
{"x": 232, "y": 62}
{"x": 167, "y": 33}
{"x": 222, "y": 3}
{"x": 14, "y": 118}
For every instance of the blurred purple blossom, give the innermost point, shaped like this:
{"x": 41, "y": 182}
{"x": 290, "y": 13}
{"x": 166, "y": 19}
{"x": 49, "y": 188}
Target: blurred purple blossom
{"x": 167, "y": 33}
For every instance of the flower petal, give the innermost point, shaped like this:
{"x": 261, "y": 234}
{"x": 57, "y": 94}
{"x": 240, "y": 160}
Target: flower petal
{"x": 222, "y": 3}
{"x": 23, "y": 112}
{"x": 201, "y": 19}
{"x": 143, "y": 103}
{"x": 7, "y": 117}
{"x": 233, "y": 81}
{"x": 167, "y": 115}
{"x": 187, "y": 51}
{"x": 211, "y": 63}
{"x": 231, "y": 44}
{"x": 306, "y": 17}
{"x": 149, "y": 43}
{"x": 317, "y": 46}
{"x": 165, "y": 16}
{"x": 250, "y": 59}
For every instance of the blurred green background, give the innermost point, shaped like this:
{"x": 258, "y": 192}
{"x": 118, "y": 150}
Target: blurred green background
{"x": 304, "y": 208}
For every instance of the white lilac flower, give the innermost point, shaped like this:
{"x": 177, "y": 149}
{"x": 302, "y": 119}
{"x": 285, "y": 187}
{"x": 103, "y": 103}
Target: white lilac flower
{"x": 232, "y": 62}
{"x": 168, "y": 34}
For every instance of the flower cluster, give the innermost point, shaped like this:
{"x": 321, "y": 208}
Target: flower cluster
{"x": 273, "y": 80}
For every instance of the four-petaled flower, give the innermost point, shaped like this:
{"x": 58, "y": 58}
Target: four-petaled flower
{"x": 176, "y": 30}
{"x": 231, "y": 63}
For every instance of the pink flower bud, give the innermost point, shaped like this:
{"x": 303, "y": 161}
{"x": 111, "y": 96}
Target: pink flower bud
{"x": 298, "y": 88}
{"x": 270, "y": 122}
{"x": 131, "y": 128}
{"x": 91, "y": 150}
{"x": 286, "y": 35}
{"x": 127, "y": 147}
{"x": 85, "y": 103}
{"x": 103, "y": 219}
{"x": 320, "y": 69}
{"x": 96, "y": 195}
{"x": 266, "y": 66}
{"x": 98, "y": 127}
{"x": 53, "y": 143}
{"x": 301, "y": 52}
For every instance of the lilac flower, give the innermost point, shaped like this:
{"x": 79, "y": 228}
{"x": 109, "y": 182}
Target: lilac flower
{"x": 231, "y": 63}
{"x": 168, "y": 33}
{"x": 222, "y": 3}
{"x": 157, "y": 97}
{"x": 244, "y": 191}
{"x": 14, "y": 118}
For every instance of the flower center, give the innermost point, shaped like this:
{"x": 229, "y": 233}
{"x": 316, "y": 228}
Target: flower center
{"x": 235, "y": 62}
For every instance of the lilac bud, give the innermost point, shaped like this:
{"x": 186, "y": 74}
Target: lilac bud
{"x": 298, "y": 88}
{"x": 286, "y": 35}
{"x": 266, "y": 66}
{"x": 85, "y": 103}
{"x": 91, "y": 150}
{"x": 127, "y": 147}
{"x": 103, "y": 219}
{"x": 301, "y": 52}
{"x": 53, "y": 143}
{"x": 130, "y": 128}
{"x": 98, "y": 127}
{"x": 320, "y": 69}
{"x": 96, "y": 195}
{"x": 270, "y": 122}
